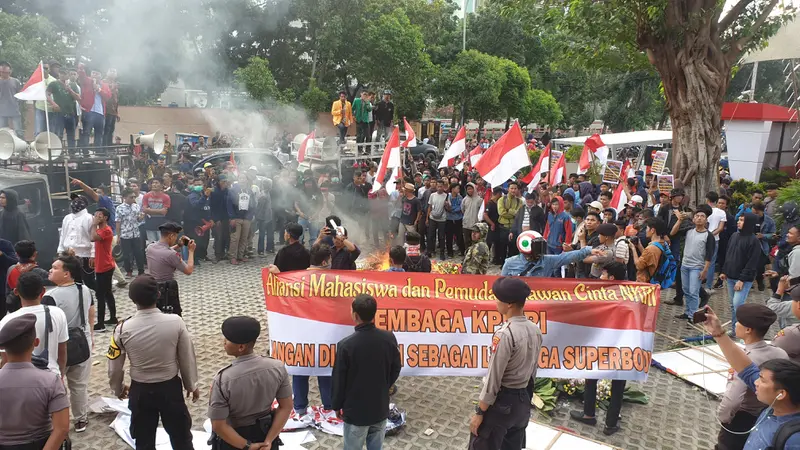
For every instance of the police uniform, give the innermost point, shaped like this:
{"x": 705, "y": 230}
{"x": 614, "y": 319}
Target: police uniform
{"x": 29, "y": 395}
{"x": 242, "y": 393}
{"x": 789, "y": 337}
{"x": 515, "y": 353}
{"x": 162, "y": 261}
{"x": 158, "y": 346}
{"x": 740, "y": 408}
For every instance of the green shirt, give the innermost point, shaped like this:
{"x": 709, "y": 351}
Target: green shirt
{"x": 361, "y": 110}
{"x": 62, "y": 98}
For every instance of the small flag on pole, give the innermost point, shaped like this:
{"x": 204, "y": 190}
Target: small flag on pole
{"x": 35, "y": 88}
{"x": 301, "y": 153}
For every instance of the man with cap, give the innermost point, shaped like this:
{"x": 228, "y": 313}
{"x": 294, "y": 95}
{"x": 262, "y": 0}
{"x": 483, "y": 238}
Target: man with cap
{"x": 35, "y": 413}
{"x": 740, "y": 408}
{"x": 163, "y": 259}
{"x": 240, "y": 406}
{"x": 158, "y": 346}
{"x": 533, "y": 260}
{"x": 504, "y": 409}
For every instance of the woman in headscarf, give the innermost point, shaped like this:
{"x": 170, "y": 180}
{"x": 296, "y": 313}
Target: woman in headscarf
{"x": 13, "y": 224}
{"x": 8, "y": 257}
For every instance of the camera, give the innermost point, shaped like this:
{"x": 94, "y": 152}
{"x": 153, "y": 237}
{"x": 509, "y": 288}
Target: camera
{"x": 634, "y": 240}
{"x": 185, "y": 240}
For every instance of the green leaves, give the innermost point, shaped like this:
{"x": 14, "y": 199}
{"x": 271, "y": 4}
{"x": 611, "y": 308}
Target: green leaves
{"x": 258, "y": 81}
{"x": 25, "y": 40}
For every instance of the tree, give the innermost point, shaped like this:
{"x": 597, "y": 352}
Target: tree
{"x": 315, "y": 101}
{"x": 770, "y": 83}
{"x": 26, "y": 40}
{"x": 513, "y": 93}
{"x": 258, "y": 81}
{"x": 540, "y": 108}
{"x": 635, "y": 101}
{"x": 690, "y": 43}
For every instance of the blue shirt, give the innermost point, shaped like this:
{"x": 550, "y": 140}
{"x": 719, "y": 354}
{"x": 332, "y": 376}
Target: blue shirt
{"x": 547, "y": 264}
{"x": 768, "y": 424}
{"x": 455, "y": 207}
{"x": 104, "y": 201}
{"x": 98, "y": 104}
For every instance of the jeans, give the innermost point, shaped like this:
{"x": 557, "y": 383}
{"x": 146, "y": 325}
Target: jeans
{"x": 105, "y": 296}
{"x": 436, "y": 229}
{"x": 39, "y": 121}
{"x": 675, "y": 248}
{"x": 615, "y": 406}
{"x": 372, "y": 435}
{"x": 300, "y": 392}
{"x": 92, "y": 121}
{"x": 690, "y": 281}
{"x": 238, "y": 246}
{"x": 265, "y": 230}
{"x": 453, "y": 231}
{"x": 342, "y": 132}
{"x": 59, "y": 123}
{"x": 108, "y": 130}
{"x": 15, "y": 123}
{"x": 132, "y": 250}
{"x": 384, "y": 132}
{"x": 738, "y": 298}
{"x": 78, "y": 383}
{"x": 712, "y": 268}
{"x": 313, "y": 231}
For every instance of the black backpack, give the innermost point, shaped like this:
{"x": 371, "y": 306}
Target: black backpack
{"x": 784, "y": 432}
{"x": 78, "y": 346}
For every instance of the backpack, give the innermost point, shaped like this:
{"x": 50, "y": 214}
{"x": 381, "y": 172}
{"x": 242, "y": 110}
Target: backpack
{"x": 783, "y": 433}
{"x": 667, "y": 268}
{"x": 42, "y": 360}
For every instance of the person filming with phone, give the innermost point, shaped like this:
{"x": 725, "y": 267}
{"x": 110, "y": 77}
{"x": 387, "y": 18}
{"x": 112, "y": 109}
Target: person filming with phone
{"x": 163, "y": 259}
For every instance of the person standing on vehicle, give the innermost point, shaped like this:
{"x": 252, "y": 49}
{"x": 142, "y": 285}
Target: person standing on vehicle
{"x": 361, "y": 110}
{"x": 240, "y": 404}
{"x": 342, "y": 113}
{"x": 76, "y": 238}
{"x": 159, "y": 347}
{"x": 384, "y": 115}
{"x": 504, "y": 409}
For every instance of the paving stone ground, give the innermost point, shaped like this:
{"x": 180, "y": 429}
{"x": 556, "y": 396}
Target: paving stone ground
{"x": 678, "y": 417}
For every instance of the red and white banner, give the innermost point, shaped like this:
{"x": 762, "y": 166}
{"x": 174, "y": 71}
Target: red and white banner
{"x": 389, "y": 160}
{"x": 35, "y": 88}
{"x": 596, "y": 147}
{"x": 533, "y": 177}
{"x": 504, "y": 158}
{"x": 457, "y": 147}
{"x": 444, "y": 323}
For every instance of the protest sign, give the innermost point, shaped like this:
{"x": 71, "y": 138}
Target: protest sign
{"x": 665, "y": 183}
{"x": 554, "y": 156}
{"x": 612, "y": 171}
{"x": 444, "y": 323}
{"x": 659, "y": 162}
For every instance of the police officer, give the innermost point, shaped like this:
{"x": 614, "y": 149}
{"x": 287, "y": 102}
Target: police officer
{"x": 240, "y": 407}
{"x": 789, "y": 337}
{"x": 163, "y": 260}
{"x": 159, "y": 346}
{"x": 504, "y": 409}
{"x": 30, "y": 396}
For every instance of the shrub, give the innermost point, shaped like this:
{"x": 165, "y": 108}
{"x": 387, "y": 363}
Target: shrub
{"x": 774, "y": 176}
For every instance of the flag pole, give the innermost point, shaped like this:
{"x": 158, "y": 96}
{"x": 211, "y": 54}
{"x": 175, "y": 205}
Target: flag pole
{"x": 46, "y": 114}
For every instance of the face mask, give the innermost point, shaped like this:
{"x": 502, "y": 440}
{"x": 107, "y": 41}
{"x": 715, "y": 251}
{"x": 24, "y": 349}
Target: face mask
{"x": 77, "y": 205}
{"x": 197, "y": 188}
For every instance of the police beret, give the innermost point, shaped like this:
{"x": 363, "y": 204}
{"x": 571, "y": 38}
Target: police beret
{"x": 511, "y": 290}
{"x": 172, "y": 227}
{"x": 16, "y": 327}
{"x": 241, "y": 329}
{"x": 143, "y": 289}
{"x": 795, "y": 291}
{"x": 607, "y": 229}
{"x": 754, "y": 315}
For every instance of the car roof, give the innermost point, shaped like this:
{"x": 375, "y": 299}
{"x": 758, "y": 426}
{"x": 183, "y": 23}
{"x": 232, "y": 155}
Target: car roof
{"x": 260, "y": 152}
{"x": 10, "y": 178}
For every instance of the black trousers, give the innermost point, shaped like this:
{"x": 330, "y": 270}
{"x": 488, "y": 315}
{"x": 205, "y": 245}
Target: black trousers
{"x": 132, "y": 249}
{"x": 742, "y": 421}
{"x": 35, "y": 445}
{"x": 87, "y": 274}
{"x": 105, "y": 296}
{"x": 222, "y": 237}
{"x": 500, "y": 243}
{"x": 201, "y": 252}
{"x": 453, "y": 230}
{"x": 590, "y": 398}
{"x": 362, "y": 130}
{"x": 435, "y": 229}
{"x": 148, "y": 401}
{"x": 252, "y": 433}
{"x": 504, "y": 423}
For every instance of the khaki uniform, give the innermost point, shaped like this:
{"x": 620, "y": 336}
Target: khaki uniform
{"x": 158, "y": 346}
{"x": 740, "y": 408}
{"x": 515, "y": 355}
{"x": 243, "y": 393}
{"x": 789, "y": 340}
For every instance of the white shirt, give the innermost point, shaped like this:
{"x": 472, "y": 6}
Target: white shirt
{"x": 59, "y": 334}
{"x": 717, "y": 216}
{"x": 76, "y": 234}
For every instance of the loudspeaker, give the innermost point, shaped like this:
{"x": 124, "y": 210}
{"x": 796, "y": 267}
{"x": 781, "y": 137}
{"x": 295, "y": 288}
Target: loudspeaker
{"x": 39, "y": 145}
{"x": 155, "y": 140}
{"x": 10, "y": 143}
{"x": 329, "y": 148}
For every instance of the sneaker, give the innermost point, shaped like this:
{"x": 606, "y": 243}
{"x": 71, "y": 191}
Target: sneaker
{"x": 761, "y": 286}
{"x": 122, "y": 283}
{"x": 674, "y": 302}
{"x": 98, "y": 328}
{"x": 683, "y": 317}
{"x": 80, "y": 426}
{"x": 608, "y": 431}
{"x": 112, "y": 321}
{"x": 578, "y": 415}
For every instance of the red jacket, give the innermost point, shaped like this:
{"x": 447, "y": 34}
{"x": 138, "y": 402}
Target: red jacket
{"x": 87, "y": 91}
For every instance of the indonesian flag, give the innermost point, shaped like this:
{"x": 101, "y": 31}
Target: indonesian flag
{"x": 457, "y": 147}
{"x": 475, "y": 156}
{"x": 533, "y": 177}
{"x": 411, "y": 138}
{"x": 504, "y": 158}
{"x": 620, "y": 198}
{"x": 397, "y": 174}
{"x": 301, "y": 154}
{"x": 35, "y": 88}
{"x": 596, "y": 146}
{"x": 486, "y": 197}
{"x": 559, "y": 172}
{"x": 389, "y": 160}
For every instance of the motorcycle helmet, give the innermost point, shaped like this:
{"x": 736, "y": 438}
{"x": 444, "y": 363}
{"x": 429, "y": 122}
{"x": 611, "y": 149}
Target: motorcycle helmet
{"x": 531, "y": 243}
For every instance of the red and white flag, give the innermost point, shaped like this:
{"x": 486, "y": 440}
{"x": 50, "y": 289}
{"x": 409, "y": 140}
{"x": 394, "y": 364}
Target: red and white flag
{"x": 620, "y": 198}
{"x": 301, "y": 153}
{"x": 558, "y": 174}
{"x": 596, "y": 147}
{"x": 457, "y": 147}
{"x": 533, "y": 177}
{"x": 504, "y": 158}
{"x": 411, "y": 138}
{"x": 475, "y": 156}
{"x": 486, "y": 197}
{"x": 35, "y": 88}
{"x": 389, "y": 160}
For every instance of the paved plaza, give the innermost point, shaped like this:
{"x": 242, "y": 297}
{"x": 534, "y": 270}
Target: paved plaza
{"x": 678, "y": 416}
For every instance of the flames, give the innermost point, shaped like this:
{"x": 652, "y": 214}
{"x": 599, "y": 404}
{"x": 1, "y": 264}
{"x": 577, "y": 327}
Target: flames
{"x": 376, "y": 261}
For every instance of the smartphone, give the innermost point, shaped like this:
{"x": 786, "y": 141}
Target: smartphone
{"x": 699, "y": 316}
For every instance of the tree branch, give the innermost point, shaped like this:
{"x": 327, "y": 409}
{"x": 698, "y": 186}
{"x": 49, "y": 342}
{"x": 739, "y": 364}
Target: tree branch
{"x": 741, "y": 43}
{"x": 733, "y": 14}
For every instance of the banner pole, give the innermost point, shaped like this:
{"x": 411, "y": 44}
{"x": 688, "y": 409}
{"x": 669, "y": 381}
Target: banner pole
{"x": 46, "y": 114}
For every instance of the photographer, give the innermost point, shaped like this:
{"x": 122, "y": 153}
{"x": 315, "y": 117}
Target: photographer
{"x": 163, "y": 260}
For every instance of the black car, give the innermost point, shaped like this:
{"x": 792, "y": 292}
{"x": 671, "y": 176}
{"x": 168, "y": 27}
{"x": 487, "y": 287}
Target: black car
{"x": 264, "y": 160}
{"x": 428, "y": 151}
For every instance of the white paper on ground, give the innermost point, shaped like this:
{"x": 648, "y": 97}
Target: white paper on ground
{"x": 538, "y": 437}
{"x": 295, "y": 438}
{"x": 122, "y": 426}
{"x": 571, "y": 442}
{"x": 103, "y": 405}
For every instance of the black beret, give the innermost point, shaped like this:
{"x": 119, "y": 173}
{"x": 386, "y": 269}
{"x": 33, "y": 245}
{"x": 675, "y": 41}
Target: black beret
{"x": 16, "y": 327}
{"x": 511, "y": 290}
{"x": 795, "y": 291}
{"x": 172, "y": 227}
{"x": 143, "y": 288}
{"x": 755, "y": 315}
{"x": 241, "y": 329}
{"x": 607, "y": 229}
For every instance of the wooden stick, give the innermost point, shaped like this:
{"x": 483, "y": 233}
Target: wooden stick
{"x": 701, "y": 349}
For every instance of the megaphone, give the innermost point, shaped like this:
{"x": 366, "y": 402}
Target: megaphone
{"x": 10, "y": 143}
{"x": 155, "y": 140}
{"x": 41, "y": 142}
{"x": 201, "y": 230}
